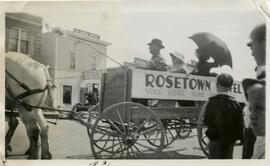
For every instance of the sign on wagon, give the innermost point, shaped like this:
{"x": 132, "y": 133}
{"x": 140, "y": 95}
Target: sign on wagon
{"x": 150, "y": 84}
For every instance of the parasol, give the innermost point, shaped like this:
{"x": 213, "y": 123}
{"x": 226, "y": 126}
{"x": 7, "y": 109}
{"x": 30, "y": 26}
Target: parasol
{"x": 214, "y": 47}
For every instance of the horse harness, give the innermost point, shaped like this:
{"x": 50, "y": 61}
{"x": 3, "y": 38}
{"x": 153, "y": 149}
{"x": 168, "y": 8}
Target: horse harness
{"x": 13, "y": 100}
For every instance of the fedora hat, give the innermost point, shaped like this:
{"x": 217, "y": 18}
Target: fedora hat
{"x": 156, "y": 41}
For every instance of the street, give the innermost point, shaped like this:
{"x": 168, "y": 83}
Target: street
{"x": 69, "y": 140}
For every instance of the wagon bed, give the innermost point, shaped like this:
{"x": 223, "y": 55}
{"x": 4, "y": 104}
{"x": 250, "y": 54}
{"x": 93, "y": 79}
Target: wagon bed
{"x": 128, "y": 128}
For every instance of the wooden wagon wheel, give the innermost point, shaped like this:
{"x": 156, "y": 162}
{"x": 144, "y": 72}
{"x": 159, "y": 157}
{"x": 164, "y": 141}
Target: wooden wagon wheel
{"x": 118, "y": 132}
{"x": 203, "y": 140}
{"x": 170, "y": 133}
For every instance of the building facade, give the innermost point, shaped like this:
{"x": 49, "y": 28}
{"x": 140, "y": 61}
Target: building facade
{"x": 76, "y": 59}
{"x": 23, "y": 33}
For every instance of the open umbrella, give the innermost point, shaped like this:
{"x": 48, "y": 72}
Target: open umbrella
{"x": 214, "y": 47}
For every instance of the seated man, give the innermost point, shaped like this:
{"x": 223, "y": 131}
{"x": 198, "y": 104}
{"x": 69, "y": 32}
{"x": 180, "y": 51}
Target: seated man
{"x": 203, "y": 67}
{"x": 157, "y": 62}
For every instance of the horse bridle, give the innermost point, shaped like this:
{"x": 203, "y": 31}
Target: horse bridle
{"x": 18, "y": 99}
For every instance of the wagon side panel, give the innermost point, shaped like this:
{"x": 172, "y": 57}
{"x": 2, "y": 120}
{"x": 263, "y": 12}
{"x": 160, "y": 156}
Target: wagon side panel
{"x": 116, "y": 85}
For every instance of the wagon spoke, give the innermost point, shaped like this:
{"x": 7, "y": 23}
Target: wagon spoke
{"x": 106, "y": 142}
{"x": 170, "y": 133}
{"x": 128, "y": 120}
{"x": 122, "y": 152}
{"x": 102, "y": 137}
{"x": 127, "y": 153}
{"x": 105, "y": 132}
{"x": 137, "y": 148}
{"x": 142, "y": 125}
{"x": 115, "y": 126}
{"x": 115, "y": 152}
{"x": 107, "y": 148}
{"x": 113, "y": 144}
{"x": 166, "y": 137}
{"x": 149, "y": 130}
{"x": 146, "y": 147}
{"x": 135, "y": 156}
{"x": 119, "y": 116}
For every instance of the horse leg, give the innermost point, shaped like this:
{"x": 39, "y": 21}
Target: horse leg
{"x": 33, "y": 135}
{"x": 12, "y": 125}
{"x": 44, "y": 128}
{"x": 28, "y": 118}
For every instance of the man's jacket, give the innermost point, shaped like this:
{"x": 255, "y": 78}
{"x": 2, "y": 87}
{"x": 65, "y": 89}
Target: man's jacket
{"x": 224, "y": 119}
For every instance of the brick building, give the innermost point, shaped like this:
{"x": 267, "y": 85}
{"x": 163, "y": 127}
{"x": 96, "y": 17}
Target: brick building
{"x": 23, "y": 33}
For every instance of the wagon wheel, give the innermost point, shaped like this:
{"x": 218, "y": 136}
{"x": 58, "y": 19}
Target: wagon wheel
{"x": 170, "y": 134}
{"x": 203, "y": 140}
{"x": 184, "y": 129}
{"x": 118, "y": 132}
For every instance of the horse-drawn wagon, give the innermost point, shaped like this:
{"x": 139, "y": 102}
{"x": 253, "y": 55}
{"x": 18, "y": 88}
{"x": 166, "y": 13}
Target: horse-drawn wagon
{"x": 124, "y": 125}
{"x": 128, "y": 128}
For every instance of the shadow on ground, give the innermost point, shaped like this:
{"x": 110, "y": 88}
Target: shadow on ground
{"x": 160, "y": 155}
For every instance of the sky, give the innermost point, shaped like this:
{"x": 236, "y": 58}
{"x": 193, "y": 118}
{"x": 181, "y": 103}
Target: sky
{"x": 130, "y": 25}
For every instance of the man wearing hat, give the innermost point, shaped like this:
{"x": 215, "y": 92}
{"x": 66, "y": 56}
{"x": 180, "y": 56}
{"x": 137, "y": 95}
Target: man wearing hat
{"x": 157, "y": 62}
{"x": 224, "y": 121}
{"x": 255, "y": 92}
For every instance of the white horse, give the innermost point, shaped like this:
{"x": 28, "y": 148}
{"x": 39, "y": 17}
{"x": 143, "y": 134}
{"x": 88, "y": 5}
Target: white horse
{"x": 27, "y": 84}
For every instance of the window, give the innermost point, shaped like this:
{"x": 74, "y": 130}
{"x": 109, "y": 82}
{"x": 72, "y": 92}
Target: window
{"x": 18, "y": 40}
{"x": 13, "y": 35}
{"x": 24, "y": 42}
{"x": 94, "y": 63}
{"x": 72, "y": 60}
{"x": 67, "y": 93}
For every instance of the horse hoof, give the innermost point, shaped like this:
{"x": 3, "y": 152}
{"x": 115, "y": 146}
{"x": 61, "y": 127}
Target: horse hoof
{"x": 48, "y": 156}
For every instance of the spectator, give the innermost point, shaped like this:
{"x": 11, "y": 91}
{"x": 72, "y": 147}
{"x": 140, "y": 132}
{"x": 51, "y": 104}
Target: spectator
{"x": 224, "y": 120}
{"x": 255, "y": 90}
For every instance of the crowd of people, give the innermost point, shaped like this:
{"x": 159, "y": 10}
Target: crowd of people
{"x": 224, "y": 116}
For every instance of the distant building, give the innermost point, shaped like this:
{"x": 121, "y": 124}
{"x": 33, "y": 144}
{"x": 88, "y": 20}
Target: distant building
{"x": 76, "y": 59}
{"x": 23, "y": 33}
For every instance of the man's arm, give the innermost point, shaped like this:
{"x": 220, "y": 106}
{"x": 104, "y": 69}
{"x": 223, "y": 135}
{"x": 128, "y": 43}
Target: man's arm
{"x": 209, "y": 113}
